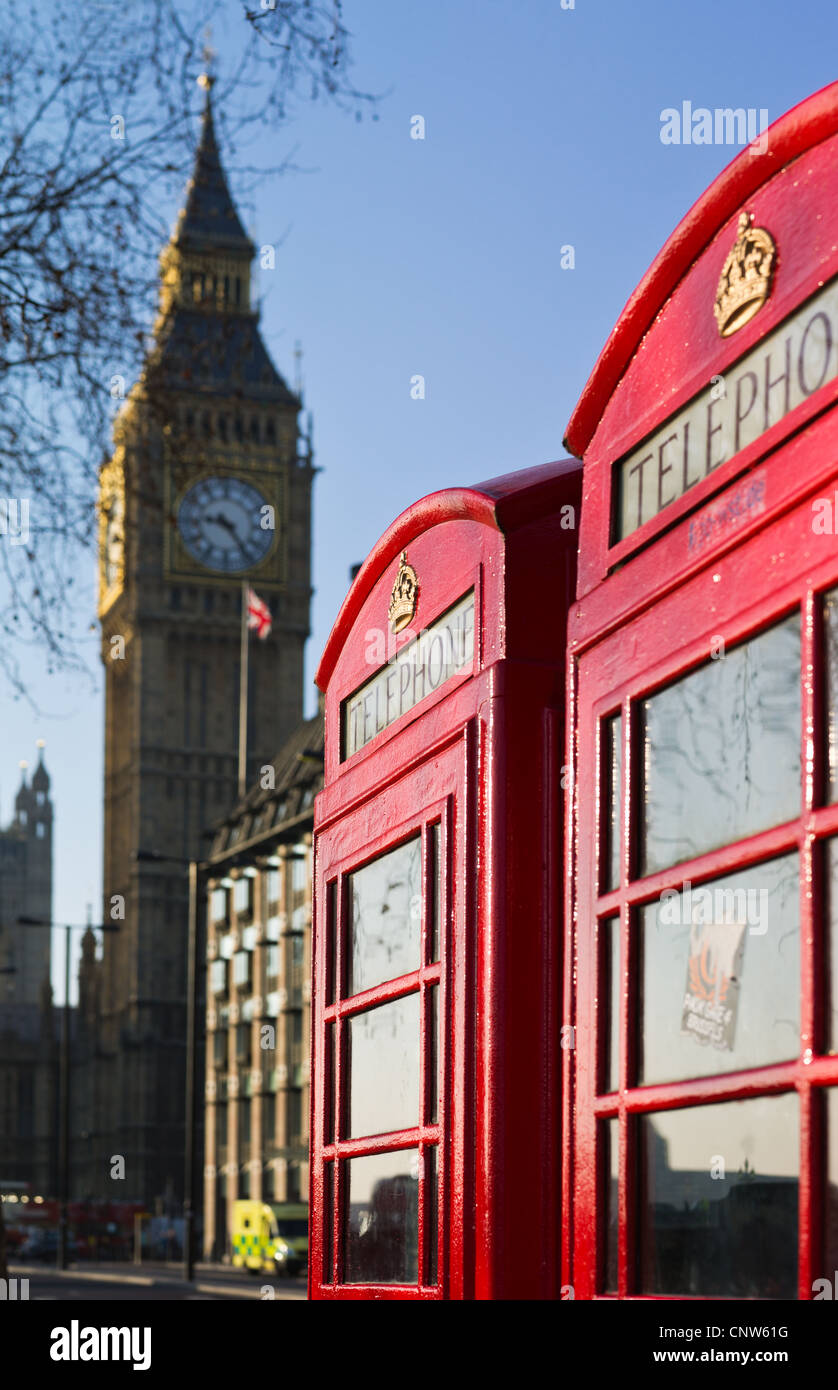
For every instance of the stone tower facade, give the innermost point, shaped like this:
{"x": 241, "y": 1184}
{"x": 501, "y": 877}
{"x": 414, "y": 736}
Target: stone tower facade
{"x": 27, "y": 1049}
{"x": 209, "y": 484}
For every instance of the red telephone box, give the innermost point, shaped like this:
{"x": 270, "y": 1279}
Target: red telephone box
{"x": 436, "y": 984}
{"x": 702, "y": 978}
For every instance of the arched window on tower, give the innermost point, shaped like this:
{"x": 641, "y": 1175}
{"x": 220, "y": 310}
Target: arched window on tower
{"x": 238, "y": 290}
{"x": 270, "y": 432}
{"x": 254, "y": 428}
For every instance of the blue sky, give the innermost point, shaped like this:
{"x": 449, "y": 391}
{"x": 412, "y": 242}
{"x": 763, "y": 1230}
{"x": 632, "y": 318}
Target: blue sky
{"x": 441, "y": 257}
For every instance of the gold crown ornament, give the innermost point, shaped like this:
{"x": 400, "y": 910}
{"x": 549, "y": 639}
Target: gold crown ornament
{"x": 404, "y": 596}
{"x": 745, "y": 281}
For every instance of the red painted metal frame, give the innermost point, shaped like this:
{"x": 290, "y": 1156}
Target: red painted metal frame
{"x": 665, "y": 347}
{"x": 484, "y": 751}
{"x": 639, "y": 626}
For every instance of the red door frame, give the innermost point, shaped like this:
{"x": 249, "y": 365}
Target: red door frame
{"x": 488, "y": 743}
{"x": 649, "y": 607}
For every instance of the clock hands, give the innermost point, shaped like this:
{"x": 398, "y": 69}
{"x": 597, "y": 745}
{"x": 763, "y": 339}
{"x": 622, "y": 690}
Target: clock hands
{"x": 225, "y": 521}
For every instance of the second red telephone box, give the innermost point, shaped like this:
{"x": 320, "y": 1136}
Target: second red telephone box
{"x": 436, "y": 985}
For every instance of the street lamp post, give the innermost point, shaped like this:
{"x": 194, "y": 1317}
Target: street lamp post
{"x": 191, "y": 1115}
{"x": 64, "y": 1076}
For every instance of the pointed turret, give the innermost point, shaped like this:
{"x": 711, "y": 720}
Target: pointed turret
{"x": 209, "y": 221}
{"x": 207, "y": 337}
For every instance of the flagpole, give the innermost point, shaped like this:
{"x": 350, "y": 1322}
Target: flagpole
{"x": 243, "y": 674}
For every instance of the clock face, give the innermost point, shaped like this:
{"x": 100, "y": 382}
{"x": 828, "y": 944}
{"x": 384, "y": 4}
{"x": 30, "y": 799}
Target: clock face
{"x": 219, "y": 520}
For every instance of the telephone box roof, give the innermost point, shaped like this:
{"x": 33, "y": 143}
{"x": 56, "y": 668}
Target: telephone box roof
{"x": 504, "y": 503}
{"x": 805, "y": 126}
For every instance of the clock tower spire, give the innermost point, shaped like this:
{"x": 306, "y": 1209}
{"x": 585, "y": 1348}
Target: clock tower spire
{"x": 209, "y": 484}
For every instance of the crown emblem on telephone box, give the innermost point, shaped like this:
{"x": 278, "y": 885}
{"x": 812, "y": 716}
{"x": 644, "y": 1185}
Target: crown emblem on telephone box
{"x": 404, "y": 596}
{"x": 745, "y": 281}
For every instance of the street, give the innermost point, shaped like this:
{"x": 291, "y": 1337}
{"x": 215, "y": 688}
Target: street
{"x": 151, "y": 1283}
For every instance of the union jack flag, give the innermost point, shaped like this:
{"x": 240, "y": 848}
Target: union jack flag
{"x": 258, "y": 614}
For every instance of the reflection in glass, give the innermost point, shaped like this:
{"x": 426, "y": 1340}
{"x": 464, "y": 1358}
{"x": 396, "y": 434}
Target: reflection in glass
{"x": 610, "y": 1003}
{"x": 612, "y": 753}
{"x": 722, "y": 750}
{"x": 720, "y": 974}
{"x": 610, "y": 1164}
{"x": 718, "y": 1215}
{"x": 431, "y": 1216}
{"x": 434, "y": 892}
{"x": 385, "y": 917}
{"x": 382, "y": 1219}
{"x": 830, "y": 607}
{"x": 331, "y": 1074}
{"x": 831, "y": 1194}
{"x": 433, "y": 1055}
{"x": 331, "y": 941}
{"x": 384, "y": 1046}
{"x": 328, "y": 1217}
{"x": 832, "y": 946}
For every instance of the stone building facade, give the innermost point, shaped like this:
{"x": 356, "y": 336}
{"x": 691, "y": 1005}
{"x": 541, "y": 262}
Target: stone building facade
{"x": 28, "y": 1054}
{"x": 209, "y": 487}
{"x": 258, "y": 989}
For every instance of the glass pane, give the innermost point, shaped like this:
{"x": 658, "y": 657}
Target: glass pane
{"x": 611, "y": 1169}
{"x": 434, "y": 892}
{"x": 331, "y": 940}
{"x": 720, "y": 974}
{"x": 722, "y": 750}
{"x": 830, "y": 606}
{"x": 612, "y": 754}
{"x": 719, "y": 1207}
{"x": 382, "y": 1218}
{"x": 832, "y": 946}
{"x": 384, "y": 1068}
{"x": 610, "y": 1004}
{"x": 431, "y": 1216}
{"x": 331, "y": 1076}
{"x": 433, "y": 1055}
{"x": 328, "y": 1217}
{"x": 830, "y": 1265}
{"x": 385, "y": 917}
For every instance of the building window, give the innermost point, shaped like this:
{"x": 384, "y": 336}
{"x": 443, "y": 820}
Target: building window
{"x": 268, "y": 1121}
{"x": 295, "y": 1118}
{"x": 242, "y": 969}
{"x": 40, "y": 830}
{"x": 243, "y": 1044}
{"x": 272, "y": 969}
{"x": 219, "y": 1049}
{"x": 273, "y": 885}
{"x": 299, "y": 869}
{"x": 254, "y": 428}
{"x": 219, "y": 905}
{"x": 272, "y": 928}
{"x": 243, "y": 895}
{"x": 218, "y": 977}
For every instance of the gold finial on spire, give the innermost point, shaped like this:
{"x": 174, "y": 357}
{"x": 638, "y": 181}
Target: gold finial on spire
{"x": 207, "y": 77}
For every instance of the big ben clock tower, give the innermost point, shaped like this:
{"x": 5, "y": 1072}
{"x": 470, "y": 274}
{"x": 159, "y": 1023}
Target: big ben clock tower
{"x": 209, "y": 484}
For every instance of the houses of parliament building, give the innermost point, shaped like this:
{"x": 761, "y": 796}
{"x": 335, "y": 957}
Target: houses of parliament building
{"x": 208, "y": 485}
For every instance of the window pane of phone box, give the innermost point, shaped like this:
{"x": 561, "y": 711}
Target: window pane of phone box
{"x": 721, "y": 757}
{"x": 719, "y": 1200}
{"x": 382, "y": 1219}
{"x": 384, "y": 1068}
{"x": 720, "y": 974}
{"x": 385, "y": 917}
